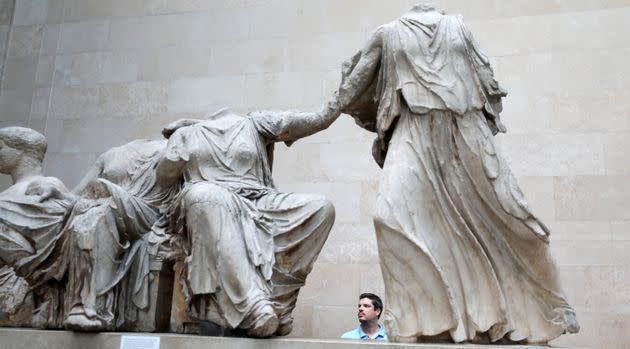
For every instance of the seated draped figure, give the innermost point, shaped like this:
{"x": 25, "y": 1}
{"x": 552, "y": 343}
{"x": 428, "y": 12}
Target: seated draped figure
{"x": 207, "y": 191}
{"x": 32, "y": 216}
{"x": 85, "y": 256}
{"x": 16, "y": 299}
{"x": 248, "y": 246}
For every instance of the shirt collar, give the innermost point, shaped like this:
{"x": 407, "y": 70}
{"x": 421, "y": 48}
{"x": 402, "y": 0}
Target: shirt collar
{"x": 363, "y": 335}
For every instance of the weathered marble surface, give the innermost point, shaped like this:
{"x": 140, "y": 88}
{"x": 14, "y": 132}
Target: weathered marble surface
{"x": 463, "y": 257}
{"x": 569, "y": 101}
{"x": 205, "y": 198}
{"x": 122, "y": 206}
{"x": 248, "y": 247}
{"x": 86, "y": 254}
{"x": 13, "y": 338}
{"x": 32, "y": 213}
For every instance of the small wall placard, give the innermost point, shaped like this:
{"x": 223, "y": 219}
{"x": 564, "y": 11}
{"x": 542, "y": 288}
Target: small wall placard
{"x": 139, "y": 342}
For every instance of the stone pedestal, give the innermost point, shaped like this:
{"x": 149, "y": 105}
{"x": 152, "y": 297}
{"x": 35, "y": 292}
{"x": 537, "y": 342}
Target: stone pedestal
{"x": 26, "y": 338}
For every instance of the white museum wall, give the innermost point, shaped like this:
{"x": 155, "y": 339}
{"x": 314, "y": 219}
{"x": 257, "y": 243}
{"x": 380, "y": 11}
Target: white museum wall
{"x": 93, "y": 74}
{"x": 6, "y": 13}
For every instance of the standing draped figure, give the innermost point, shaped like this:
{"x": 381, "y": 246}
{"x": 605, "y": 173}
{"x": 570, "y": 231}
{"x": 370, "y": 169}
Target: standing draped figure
{"x": 461, "y": 253}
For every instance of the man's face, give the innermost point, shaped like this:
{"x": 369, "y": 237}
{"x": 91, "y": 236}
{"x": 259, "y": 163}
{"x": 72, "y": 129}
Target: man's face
{"x": 367, "y": 312}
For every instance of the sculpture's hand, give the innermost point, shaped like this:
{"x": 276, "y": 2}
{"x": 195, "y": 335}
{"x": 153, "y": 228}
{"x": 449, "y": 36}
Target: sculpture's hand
{"x": 289, "y": 126}
{"x": 175, "y": 125}
{"x": 97, "y": 189}
{"x": 45, "y": 190}
{"x": 332, "y": 109}
{"x": 490, "y": 84}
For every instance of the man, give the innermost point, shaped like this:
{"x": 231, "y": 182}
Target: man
{"x": 370, "y": 309}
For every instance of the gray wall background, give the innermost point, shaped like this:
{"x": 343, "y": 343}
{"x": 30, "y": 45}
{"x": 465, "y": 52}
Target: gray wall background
{"x": 93, "y": 74}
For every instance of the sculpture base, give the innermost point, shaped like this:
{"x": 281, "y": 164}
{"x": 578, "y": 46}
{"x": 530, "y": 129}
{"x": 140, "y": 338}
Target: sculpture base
{"x": 30, "y": 338}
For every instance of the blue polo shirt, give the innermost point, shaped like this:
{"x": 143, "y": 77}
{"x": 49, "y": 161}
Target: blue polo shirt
{"x": 358, "y": 333}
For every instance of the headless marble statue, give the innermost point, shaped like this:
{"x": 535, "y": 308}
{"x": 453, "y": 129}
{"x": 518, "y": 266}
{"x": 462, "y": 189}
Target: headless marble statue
{"x": 32, "y": 216}
{"x": 119, "y": 219}
{"x": 249, "y": 246}
{"x": 208, "y": 192}
{"x": 86, "y": 256}
{"x": 462, "y": 255}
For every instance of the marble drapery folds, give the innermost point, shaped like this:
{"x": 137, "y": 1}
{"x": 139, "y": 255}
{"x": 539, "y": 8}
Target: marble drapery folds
{"x": 462, "y": 254}
{"x": 119, "y": 224}
{"x": 248, "y": 246}
{"x": 85, "y": 256}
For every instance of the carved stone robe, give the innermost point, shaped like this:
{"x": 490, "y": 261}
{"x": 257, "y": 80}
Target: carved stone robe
{"x": 462, "y": 254}
{"x": 249, "y": 247}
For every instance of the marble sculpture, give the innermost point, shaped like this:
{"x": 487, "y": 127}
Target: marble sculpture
{"x": 249, "y": 247}
{"x": 205, "y": 196}
{"x": 84, "y": 254}
{"x": 462, "y": 255}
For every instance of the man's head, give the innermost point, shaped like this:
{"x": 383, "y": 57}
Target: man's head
{"x": 17, "y": 143}
{"x": 370, "y": 307}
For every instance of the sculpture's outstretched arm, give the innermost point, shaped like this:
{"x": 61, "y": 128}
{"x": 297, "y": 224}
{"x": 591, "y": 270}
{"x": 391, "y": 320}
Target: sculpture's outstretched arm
{"x": 289, "y": 126}
{"x": 358, "y": 73}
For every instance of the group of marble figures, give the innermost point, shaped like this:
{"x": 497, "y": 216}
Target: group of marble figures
{"x": 462, "y": 255}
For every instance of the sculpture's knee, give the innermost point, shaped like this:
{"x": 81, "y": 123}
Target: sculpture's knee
{"x": 326, "y": 210}
{"x": 87, "y": 227}
{"x": 207, "y": 193}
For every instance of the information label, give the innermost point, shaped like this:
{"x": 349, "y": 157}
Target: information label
{"x": 139, "y": 342}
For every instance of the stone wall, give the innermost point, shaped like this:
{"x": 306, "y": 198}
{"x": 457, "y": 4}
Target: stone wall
{"x": 93, "y": 74}
{"x": 6, "y": 13}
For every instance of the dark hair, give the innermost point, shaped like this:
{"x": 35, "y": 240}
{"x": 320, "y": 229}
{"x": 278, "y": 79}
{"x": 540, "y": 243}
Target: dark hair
{"x": 377, "y": 303}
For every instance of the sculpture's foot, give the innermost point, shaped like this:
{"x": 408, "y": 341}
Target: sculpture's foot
{"x": 265, "y": 325}
{"x": 285, "y": 327}
{"x": 78, "y": 321}
{"x": 573, "y": 327}
{"x": 572, "y": 324}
